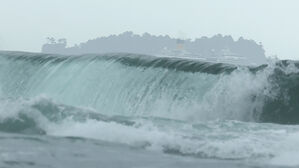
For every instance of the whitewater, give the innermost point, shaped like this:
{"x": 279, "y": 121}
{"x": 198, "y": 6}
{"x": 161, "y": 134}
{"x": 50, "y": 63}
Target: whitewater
{"x": 132, "y": 110}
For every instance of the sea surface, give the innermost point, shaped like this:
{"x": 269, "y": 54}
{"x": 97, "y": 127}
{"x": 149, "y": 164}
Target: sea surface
{"x": 138, "y": 111}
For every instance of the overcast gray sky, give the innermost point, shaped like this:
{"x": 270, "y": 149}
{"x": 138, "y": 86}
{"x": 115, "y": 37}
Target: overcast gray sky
{"x": 24, "y": 24}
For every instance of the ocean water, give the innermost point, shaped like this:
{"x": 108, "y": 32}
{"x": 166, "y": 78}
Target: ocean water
{"x": 137, "y": 111}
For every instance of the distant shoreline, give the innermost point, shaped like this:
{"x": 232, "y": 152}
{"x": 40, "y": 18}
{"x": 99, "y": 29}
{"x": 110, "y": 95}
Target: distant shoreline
{"x": 219, "y": 48}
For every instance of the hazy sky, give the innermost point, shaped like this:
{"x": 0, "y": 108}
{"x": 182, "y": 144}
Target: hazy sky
{"x": 24, "y": 24}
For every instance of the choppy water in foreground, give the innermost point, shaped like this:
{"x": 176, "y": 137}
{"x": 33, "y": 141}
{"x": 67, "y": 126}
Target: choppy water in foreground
{"x": 125, "y": 110}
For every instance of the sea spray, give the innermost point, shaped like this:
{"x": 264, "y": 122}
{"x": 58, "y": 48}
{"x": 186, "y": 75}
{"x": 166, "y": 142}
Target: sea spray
{"x": 175, "y": 106}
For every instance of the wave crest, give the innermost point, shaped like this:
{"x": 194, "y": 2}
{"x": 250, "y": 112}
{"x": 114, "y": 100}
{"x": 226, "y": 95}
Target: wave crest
{"x": 138, "y": 85}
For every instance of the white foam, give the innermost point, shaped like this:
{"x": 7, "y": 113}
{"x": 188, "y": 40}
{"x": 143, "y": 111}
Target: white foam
{"x": 288, "y": 151}
{"x": 253, "y": 142}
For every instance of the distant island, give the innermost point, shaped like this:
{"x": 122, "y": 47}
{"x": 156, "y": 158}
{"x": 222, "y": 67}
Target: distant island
{"x": 218, "y": 48}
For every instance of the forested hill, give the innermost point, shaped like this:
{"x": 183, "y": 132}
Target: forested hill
{"x": 128, "y": 42}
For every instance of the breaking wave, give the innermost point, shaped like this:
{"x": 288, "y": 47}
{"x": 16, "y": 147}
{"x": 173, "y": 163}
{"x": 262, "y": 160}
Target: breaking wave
{"x": 137, "y": 85}
{"x": 175, "y": 105}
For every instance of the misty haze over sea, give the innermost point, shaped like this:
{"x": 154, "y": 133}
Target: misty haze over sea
{"x": 209, "y": 84}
